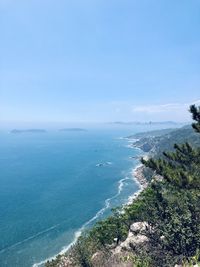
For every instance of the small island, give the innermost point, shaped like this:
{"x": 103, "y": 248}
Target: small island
{"x": 17, "y": 131}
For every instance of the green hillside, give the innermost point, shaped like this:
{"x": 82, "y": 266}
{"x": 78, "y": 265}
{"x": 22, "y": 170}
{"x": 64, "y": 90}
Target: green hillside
{"x": 163, "y": 140}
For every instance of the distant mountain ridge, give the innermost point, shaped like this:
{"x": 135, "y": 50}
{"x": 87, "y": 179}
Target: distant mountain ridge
{"x": 147, "y": 123}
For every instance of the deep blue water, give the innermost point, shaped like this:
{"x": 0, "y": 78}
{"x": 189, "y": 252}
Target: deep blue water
{"x": 50, "y": 187}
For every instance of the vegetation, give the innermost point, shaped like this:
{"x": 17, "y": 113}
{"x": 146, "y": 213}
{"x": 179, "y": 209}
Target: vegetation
{"x": 154, "y": 133}
{"x": 170, "y": 207}
{"x": 158, "y": 141}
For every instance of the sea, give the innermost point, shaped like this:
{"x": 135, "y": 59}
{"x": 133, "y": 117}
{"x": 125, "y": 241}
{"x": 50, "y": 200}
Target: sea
{"x": 56, "y": 184}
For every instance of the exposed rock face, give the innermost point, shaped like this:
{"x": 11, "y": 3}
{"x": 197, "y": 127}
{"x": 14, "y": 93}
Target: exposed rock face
{"x": 116, "y": 255}
{"x": 113, "y": 260}
{"x": 138, "y": 173}
{"x": 122, "y": 255}
{"x": 135, "y": 237}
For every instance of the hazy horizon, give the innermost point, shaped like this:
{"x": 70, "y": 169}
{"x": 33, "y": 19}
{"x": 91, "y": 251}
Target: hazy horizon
{"x": 56, "y": 126}
{"x": 99, "y": 61}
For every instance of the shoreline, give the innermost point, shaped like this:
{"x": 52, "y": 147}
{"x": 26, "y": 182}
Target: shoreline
{"x": 137, "y": 176}
{"x": 140, "y": 179}
{"x": 78, "y": 233}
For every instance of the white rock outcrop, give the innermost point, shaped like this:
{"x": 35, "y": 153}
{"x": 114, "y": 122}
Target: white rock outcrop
{"x": 135, "y": 237}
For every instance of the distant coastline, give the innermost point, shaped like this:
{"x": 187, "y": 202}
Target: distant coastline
{"x": 147, "y": 123}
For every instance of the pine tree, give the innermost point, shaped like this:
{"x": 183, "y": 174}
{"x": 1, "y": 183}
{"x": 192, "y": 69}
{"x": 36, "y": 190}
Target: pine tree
{"x": 181, "y": 167}
{"x": 176, "y": 203}
{"x": 196, "y": 117}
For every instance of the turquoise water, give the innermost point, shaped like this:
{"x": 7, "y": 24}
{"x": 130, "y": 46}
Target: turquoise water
{"x": 50, "y": 187}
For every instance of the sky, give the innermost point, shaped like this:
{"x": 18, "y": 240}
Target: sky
{"x": 99, "y": 60}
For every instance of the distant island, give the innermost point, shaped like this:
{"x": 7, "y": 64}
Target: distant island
{"x": 72, "y": 130}
{"x": 17, "y": 131}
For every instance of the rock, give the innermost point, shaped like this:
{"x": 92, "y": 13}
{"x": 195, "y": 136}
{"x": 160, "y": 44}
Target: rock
{"x": 135, "y": 237}
{"x": 65, "y": 262}
{"x": 138, "y": 227}
{"x": 98, "y": 259}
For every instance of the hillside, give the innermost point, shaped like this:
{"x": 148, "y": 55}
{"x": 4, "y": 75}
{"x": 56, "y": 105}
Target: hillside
{"x": 158, "y": 141}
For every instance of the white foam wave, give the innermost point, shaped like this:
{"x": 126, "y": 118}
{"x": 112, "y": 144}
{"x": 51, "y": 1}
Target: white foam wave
{"x": 79, "y": 231}
{"x": 107, "y": 203}
{"x": 136, "y": 194}
{"x": 64, "y": 250}
{"x": 97, "y": 215}
{"x": 131, "y": 140}
{"x": 120, "y": 138}
{"x": 121, "y": 184}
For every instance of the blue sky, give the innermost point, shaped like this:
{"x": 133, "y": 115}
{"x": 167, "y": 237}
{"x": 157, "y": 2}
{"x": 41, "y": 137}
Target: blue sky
{"x": 99, "y": 60}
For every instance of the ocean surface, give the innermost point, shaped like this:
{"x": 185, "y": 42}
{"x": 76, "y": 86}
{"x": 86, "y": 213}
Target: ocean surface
{"x": 51, "y": 188}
